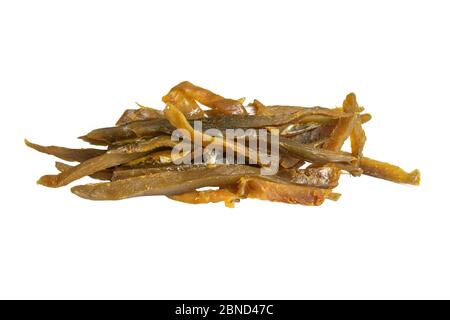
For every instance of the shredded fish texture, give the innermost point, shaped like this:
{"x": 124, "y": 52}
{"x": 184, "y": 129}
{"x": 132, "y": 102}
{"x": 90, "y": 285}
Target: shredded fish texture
{"x": 282, "y": 153}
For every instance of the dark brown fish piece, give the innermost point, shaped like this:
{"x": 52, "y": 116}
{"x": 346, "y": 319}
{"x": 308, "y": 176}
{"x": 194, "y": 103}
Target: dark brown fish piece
{"x": 149, "y": 128}
{"x": 67, "y": 154}
{"x": 127, "y": 172}
{"x": 99, "y": 175}
{"x": 165, "y": 183}
{"x": 109, "y": 159}
{"x": 313, "y": 154}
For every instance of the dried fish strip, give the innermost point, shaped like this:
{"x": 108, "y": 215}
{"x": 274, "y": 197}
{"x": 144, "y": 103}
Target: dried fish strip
{"x": 67, "y": 154}
{"x": 165, "y": 183}
{"x": 110, "y": 159}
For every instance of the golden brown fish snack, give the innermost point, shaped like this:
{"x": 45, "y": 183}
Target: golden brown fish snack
{"x": 281, "y": 153}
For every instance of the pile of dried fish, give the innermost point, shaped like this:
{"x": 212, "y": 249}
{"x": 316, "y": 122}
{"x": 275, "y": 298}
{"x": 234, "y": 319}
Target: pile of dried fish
{"x": 140, "y": 157}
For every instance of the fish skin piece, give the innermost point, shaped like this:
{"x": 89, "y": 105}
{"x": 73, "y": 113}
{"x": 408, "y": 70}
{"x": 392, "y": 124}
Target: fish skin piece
{"x": 387, "y": 171}
{"x": 260, "y": 188}
{"x": 207, "y": 196}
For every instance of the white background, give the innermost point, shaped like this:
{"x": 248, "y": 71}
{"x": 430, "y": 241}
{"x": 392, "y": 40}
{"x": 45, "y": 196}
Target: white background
{"x": 67, "y": 67}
